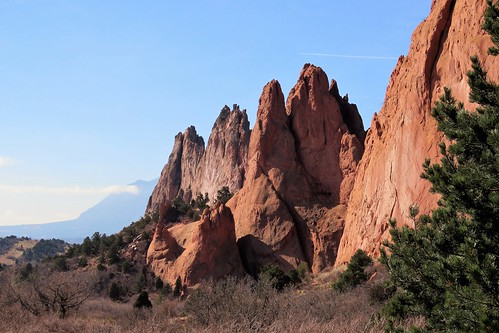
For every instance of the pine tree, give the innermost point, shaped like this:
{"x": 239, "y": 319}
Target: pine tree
{"x": 355, "y": 273}
{"x": 158, "y": 283}
{"x": 224, "y": 194}
{"x": 447, "y": 269}
{"x": 177, "y": 292}
{"x": 142, "y": 301}
{"x": 115, "y": 291}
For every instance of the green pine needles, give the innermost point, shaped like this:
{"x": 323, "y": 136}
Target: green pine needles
{"x": 447, "y": 269}
{"x": 355, "y": 273}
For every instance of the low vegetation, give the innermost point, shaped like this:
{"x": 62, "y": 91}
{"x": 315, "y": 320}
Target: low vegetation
{"x": 355, "y": 273}
{"x": 6, "y": 243}
{"x": 280, "y": 279}
{"x": 43, "y": 249}
{"x": 196, "y": 206}
{"x": 229, "y": 305}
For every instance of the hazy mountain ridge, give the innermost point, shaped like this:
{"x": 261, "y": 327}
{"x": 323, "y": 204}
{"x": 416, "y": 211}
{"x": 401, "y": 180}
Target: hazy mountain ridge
{"x": 107, "y": 217}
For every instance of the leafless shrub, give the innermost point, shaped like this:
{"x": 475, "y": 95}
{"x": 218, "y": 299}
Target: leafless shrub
{"x": 238, "y": 306}
{"x": 226, "y": 306}
{"x": 51, "y": 292}
{"x": 243, "y": 303}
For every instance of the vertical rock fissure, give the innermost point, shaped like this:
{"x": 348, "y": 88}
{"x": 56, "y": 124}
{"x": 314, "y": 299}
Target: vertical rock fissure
{"x": 441, "y": 40}
{"x": 395, "y": 189}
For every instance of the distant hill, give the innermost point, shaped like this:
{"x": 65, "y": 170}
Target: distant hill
{"x": 108, "y": 216}
{"x": 15, "y": 249}
{"x": 12, "y": 248}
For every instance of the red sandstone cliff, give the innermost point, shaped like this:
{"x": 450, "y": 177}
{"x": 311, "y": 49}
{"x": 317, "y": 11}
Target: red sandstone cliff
{"x": 404, "y": 134}
{"x": 224, "y": 162}
{"x": 314, "y": 190}
{"x": 179, "y": 173}
{"x": 191, "y": 169}
{"x": 301, "y": 161}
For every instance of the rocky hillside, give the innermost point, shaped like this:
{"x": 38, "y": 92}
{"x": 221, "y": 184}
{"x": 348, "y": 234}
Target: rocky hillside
{"x": 311, "y": 185}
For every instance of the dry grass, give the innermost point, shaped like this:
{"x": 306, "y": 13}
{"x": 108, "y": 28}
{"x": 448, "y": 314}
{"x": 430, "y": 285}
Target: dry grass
{"x": 244, "y": 307}
{"x": 228, "y": 306}
{"x": 96, "y": 316}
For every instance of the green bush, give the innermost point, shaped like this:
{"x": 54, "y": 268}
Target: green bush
{"x": 166, "y": 290}
{"x": 276, "y": 276}
{"x": 141, "y": 282}
{"x": 158, "y": 283}
{"x": 279, "y": 279}
{"x": 142, "y": 301}
{"x": 178, "y": 288}
{"x": 201, "y": 202}
{"x": 224, "y": 194}
{"x": 83, "y": 262}
{"x": 25, "y": 272}
{"x": 61, "y": 264}
{"x": 115, "y": 291}
{"x": 355, "y": 273}
{"x": 126, "y": 267}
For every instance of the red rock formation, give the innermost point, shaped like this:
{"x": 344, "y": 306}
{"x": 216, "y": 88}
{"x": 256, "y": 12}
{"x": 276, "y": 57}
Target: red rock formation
{"x": 180, "y": 171}
{"x": 291, "y": 207}
{"x": 261, "y": 215}
{"x": 225, "y": 159}
{"x": 404, "y": 134}
{"x": 191, "y": 170}
{"x": 196, "y": 251}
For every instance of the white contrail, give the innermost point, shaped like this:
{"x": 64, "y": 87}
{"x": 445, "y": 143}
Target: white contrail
{"x": 349, "y": 56}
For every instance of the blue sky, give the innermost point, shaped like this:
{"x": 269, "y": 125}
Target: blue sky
{"x": 93, "y": 92}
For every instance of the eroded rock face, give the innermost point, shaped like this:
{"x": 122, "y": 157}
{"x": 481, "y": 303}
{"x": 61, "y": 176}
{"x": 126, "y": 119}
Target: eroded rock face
{"x": 179, "y": 173}
{"x": 191, "y": 169}
{"x": 196, "y": 251}
{"x": 404, "y": 134}
{"x": 224, "y": 162}
{"x": 301, "y": 161}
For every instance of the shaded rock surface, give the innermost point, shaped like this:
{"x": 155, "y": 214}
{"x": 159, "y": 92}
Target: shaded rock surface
{"x": 404, "y": 134}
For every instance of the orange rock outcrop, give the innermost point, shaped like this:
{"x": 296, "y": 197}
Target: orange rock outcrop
{"x": 195, "y": 251}
{"x": 404, "y": 133}
{"x": 192, "y": 170}
{"x": 301, "y": 161}
{"x": 311, "y": 185}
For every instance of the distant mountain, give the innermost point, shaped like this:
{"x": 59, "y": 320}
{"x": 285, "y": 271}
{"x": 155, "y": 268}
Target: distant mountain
{"x": 108, "y": 216}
